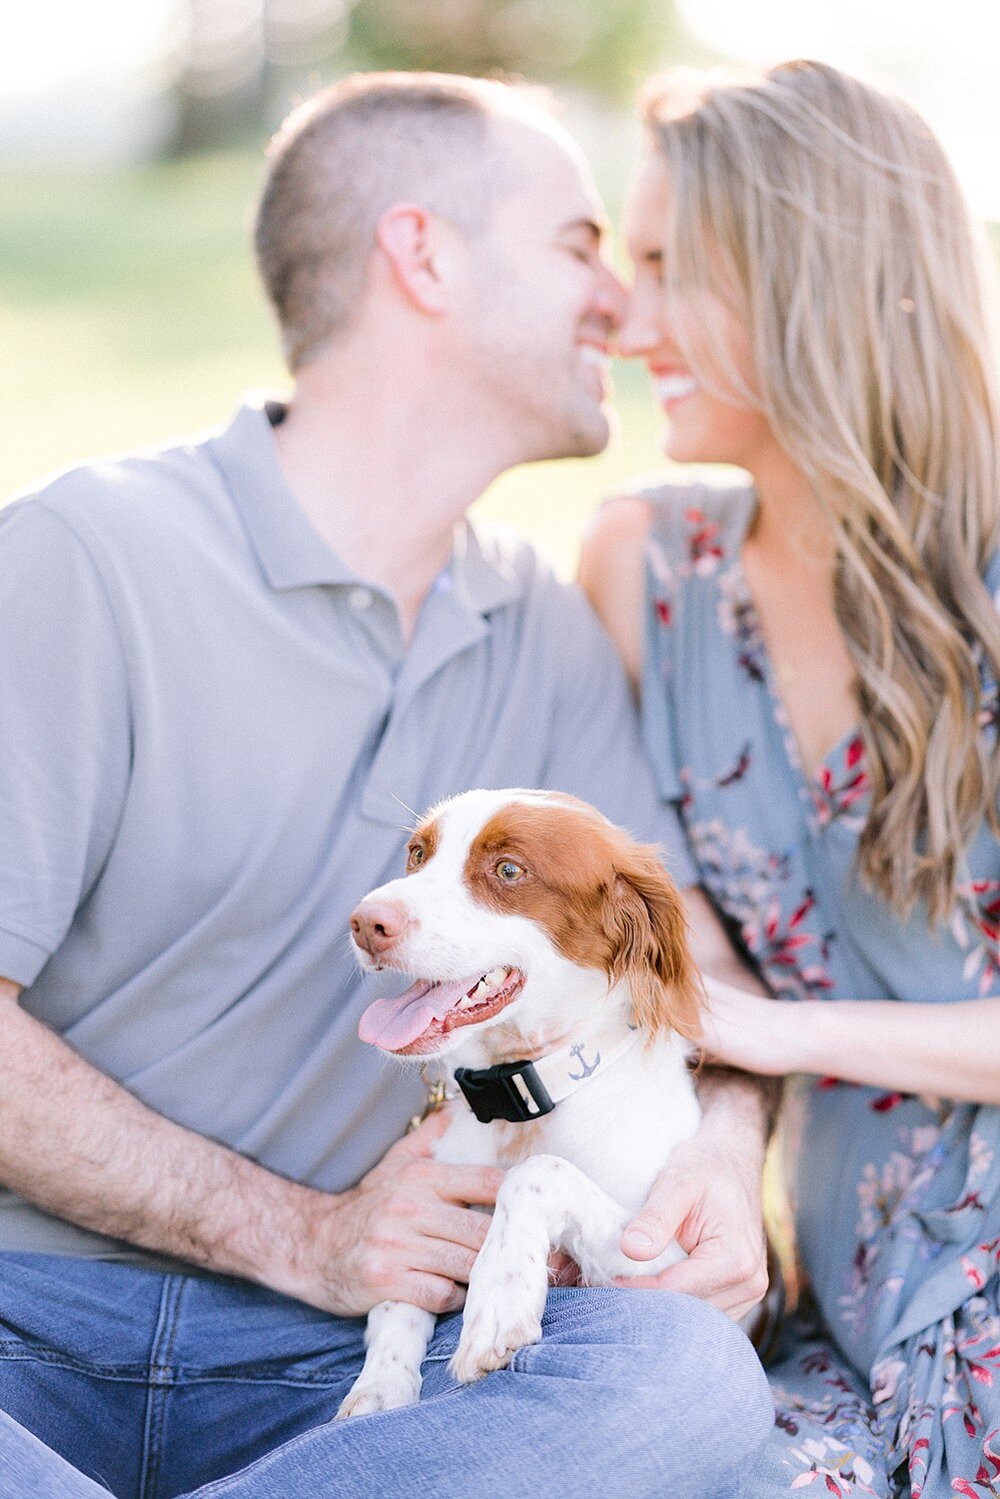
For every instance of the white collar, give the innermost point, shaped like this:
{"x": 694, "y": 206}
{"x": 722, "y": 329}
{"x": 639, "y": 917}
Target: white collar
{"x": 561, "y": 1072}
{"x": 565, "y": 1071}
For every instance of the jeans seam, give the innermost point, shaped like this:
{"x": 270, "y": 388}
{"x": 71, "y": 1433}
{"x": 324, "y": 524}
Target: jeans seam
{"x": 24, "y": 1353}
{"x": 139, "y": 1373}
{"x": 160, "y": 1379}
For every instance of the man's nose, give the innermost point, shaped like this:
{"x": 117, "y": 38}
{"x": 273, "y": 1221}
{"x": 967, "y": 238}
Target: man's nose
{"x": 611, "y": 298}
{"x": 377, "y": 925}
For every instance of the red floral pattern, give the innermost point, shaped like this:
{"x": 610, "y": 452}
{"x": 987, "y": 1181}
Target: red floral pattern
{"x": 861, "y": 1405}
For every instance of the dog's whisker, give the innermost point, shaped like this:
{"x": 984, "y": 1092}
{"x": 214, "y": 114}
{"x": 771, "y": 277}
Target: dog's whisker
{"x": 406, "y": 808}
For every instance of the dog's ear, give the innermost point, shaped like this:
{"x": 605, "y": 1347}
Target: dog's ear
{"x": 649, "y": 946}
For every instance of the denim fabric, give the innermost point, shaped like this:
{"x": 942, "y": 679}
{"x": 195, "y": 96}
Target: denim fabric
{"x": 155, "y": 1386}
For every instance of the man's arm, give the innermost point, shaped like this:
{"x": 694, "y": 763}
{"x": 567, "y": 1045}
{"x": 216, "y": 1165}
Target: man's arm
{"x": 80, "y": 1146}
{"x": 709, "y": 1196}
{"x": 71, "y": 1139}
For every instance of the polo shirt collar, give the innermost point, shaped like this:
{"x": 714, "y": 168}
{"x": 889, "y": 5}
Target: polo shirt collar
{"x": 290, "y": 550}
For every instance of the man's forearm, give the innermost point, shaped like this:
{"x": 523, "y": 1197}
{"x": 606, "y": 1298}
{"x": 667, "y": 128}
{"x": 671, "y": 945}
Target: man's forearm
{"x": 739, "y": 1109}
{"x": 77, "y": 1144}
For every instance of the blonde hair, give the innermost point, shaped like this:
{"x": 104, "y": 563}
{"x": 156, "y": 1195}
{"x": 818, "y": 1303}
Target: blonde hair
{"x": 827, "y": 215}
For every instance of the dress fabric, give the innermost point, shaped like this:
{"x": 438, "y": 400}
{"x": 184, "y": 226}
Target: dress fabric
{"x": 891, "y": 1384}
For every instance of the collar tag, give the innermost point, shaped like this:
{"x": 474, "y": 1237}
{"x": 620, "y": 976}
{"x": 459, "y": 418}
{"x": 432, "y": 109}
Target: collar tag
{"x": 511, "y": 1091}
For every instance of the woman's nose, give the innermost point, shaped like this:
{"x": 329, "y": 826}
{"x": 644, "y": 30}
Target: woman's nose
{"x": 641, "y": 328}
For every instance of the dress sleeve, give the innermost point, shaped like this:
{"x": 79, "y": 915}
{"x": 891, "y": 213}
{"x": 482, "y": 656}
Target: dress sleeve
{"x": 64, "y": 728}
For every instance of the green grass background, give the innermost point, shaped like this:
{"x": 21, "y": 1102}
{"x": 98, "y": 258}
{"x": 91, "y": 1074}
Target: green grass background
{"x": 131, "y": 312}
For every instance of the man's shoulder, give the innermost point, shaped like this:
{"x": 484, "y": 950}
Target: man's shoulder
{"x": 123, "y": 486}
{"x": 509, "y": 553}
{"x": 132, "y": 502}
{"x": 536, "y": 586}
{"x": 550, "y": 626}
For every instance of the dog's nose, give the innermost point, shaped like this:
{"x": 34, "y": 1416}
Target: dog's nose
{"x": 378, "y": 925}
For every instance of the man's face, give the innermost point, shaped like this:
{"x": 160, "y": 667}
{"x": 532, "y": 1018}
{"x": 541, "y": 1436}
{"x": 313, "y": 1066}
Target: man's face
{"x": 543, "y": 303}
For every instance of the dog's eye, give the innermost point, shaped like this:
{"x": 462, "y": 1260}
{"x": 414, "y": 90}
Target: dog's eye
{"x": 509, "y": 872}
{"x": 415, "y": 856}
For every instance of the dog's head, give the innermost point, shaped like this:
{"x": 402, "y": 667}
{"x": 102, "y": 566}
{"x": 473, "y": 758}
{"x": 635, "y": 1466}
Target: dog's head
{"x": 519, "y": 911}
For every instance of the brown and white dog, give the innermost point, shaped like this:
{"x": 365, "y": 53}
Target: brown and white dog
{"x": 538, "y": 933}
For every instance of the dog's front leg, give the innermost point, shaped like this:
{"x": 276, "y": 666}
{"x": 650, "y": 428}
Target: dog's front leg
{"x": 396, "y": 1339}
{"x": 544, "y": 1203}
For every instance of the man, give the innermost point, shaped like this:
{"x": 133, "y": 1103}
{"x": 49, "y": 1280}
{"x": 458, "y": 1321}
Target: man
{"x": 231, "y": 669}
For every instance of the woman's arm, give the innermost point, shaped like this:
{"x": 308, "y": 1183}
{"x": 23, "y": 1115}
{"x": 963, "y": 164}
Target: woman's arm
{"x": 948, "y": 1050}
{"x": 612, "y": 575}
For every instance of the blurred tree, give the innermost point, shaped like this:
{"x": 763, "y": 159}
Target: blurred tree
{"x": 603, "y": 44}
{"x": 236, "y": 56}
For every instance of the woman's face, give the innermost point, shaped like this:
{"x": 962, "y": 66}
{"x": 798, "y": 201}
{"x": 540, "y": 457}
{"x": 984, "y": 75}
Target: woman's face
{"x": 686, "y": 332}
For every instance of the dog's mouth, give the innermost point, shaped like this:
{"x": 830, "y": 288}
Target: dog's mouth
{"x": 415, "y": 1022}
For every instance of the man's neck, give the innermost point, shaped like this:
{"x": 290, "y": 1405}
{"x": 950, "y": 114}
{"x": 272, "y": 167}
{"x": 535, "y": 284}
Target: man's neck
{"x": 384, "y": 476}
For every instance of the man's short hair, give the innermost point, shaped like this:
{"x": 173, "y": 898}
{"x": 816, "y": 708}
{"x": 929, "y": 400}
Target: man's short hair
{"x": 346, "y": 155}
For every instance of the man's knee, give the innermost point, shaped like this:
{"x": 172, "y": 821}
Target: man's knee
{"x": 681, "y": 1373}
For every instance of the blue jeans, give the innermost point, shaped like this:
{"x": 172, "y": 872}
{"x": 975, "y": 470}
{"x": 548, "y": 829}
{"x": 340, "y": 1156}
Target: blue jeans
{"x": 154, "y": 1386}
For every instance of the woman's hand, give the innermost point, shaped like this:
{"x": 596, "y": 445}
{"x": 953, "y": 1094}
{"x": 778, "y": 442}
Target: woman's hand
{"x": 928, "y": 1050}
{"x": 744, "y": 1030}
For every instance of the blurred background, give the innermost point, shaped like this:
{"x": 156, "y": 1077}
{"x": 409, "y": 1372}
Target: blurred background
{"x": 131, "y": 136}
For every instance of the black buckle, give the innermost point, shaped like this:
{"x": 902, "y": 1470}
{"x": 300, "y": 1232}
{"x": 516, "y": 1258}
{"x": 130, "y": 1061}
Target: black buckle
{"x": 505, "y": 1092}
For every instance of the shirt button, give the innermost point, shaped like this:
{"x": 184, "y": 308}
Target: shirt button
{"x": 360, "y": 598}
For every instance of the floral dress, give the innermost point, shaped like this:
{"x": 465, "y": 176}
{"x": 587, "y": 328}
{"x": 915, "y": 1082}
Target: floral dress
{"x": 891, "y": 1384}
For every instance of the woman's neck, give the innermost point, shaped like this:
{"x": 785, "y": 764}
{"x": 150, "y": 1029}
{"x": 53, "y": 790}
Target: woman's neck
{"x": 791, "y": 521}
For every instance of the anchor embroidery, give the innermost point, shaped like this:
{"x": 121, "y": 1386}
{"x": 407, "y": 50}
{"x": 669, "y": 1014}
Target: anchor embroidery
{"x": 577, "y": 1051}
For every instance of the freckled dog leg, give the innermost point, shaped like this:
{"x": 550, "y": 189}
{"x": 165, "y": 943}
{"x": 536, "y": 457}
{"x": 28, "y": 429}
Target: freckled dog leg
{"x": 545, "y": 1202}
{"x": 396, "y": 1339}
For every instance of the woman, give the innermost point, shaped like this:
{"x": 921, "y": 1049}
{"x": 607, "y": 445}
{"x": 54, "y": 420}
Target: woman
{"x": 817, "y": 658}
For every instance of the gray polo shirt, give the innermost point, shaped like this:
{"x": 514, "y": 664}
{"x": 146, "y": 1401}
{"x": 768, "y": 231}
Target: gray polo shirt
{"x": 213, "y": 741}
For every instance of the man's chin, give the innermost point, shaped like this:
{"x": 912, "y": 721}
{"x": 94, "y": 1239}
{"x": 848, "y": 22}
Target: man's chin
{"x": 597, "y": 435}
{"x": 589, "y": 436}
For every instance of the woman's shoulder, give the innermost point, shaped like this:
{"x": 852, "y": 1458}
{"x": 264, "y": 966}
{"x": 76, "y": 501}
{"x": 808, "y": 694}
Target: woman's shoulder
{"x": 714, "y": 513}
{"x": 663, "y": 507}
{"x": 673, "y": 523}
{"x": 676, "y": 524}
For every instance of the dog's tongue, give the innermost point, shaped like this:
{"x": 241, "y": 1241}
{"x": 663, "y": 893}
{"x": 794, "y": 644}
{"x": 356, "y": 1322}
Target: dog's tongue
{"x": 394, "y": 1023}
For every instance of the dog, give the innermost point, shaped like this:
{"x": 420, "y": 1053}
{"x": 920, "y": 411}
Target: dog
{"x": 556, "y": 996}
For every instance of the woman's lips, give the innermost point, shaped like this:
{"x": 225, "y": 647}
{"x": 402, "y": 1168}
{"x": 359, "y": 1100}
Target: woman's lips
{"x": 673, "y": 388}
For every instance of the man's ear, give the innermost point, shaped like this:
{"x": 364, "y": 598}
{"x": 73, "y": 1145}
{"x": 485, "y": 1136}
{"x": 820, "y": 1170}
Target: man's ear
{"x": 414, "y": 242}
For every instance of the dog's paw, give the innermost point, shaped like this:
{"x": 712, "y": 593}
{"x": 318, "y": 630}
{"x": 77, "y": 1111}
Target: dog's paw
{"x": 368, "y": 1397}
{"x": 490, "y": 1341}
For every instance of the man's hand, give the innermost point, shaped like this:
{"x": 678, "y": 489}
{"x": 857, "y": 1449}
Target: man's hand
{"x": 86, "y": 1150}
{"x": 406, "y": 1232}
{"x": 708, "y": 1198}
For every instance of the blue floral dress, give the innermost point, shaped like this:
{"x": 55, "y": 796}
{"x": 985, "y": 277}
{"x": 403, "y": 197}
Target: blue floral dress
{"x": 893, "y": 1388}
